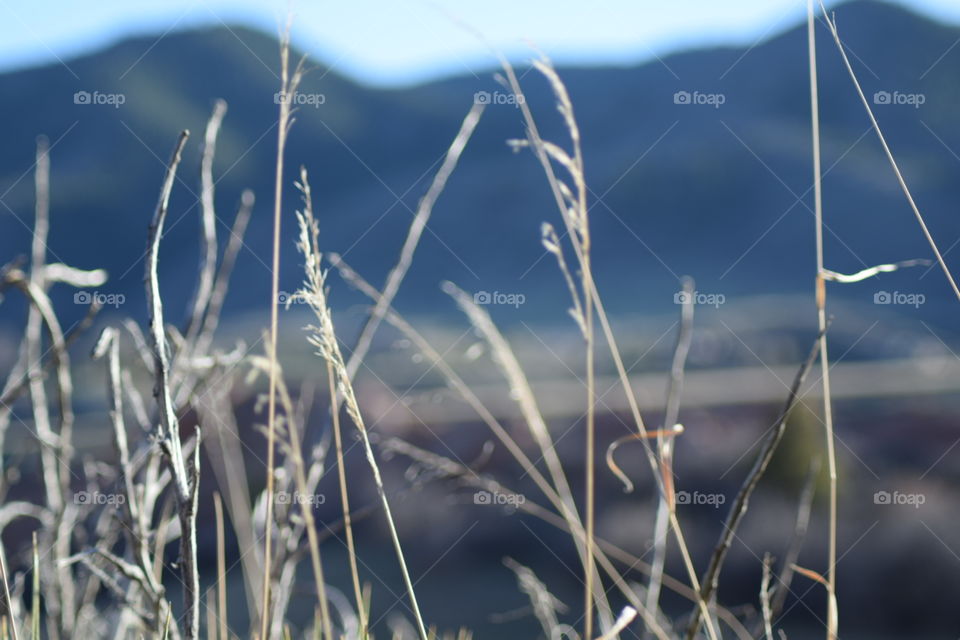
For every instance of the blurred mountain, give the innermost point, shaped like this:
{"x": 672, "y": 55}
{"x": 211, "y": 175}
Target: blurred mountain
{"x": 698, "y": 164}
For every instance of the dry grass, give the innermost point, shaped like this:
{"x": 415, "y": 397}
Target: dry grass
{"x": 97, "y": 569}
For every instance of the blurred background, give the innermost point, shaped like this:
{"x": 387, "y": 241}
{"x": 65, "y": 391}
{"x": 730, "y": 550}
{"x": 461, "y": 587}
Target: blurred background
{"x": 696, "y": 136}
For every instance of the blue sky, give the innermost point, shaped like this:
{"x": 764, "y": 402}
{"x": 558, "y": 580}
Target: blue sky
{"x": 395, "y": 42}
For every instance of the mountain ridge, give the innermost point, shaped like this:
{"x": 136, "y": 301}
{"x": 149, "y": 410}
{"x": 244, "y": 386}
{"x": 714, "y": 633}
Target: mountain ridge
{"x": 718, "y": 193}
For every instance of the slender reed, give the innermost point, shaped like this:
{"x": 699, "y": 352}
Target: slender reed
{"x": 821, "y": 301}
{"x": 665, "y": 442}
{"x": 221, "y": 570}
{"x": 324, "y": 338}
{"x": 288, "y": 86}
{"x": 832, "y": 24}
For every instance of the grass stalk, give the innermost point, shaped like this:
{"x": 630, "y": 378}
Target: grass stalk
{"x": 222, "y": 632}
{"x": 324, "y": 338}
{"x": 821, "y": 302}
{"x": 288, "y": 86}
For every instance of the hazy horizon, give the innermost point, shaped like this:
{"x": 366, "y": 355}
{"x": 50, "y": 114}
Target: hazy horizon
{"x": 409, "y": 43}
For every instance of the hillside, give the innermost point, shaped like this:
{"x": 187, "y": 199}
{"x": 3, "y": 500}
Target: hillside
{"x": 720, "y": 193}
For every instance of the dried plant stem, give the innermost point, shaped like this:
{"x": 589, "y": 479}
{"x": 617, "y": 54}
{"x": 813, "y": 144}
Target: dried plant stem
{"x": 799, "y": 533}
{"x": 186, "y": 480}
{"x": 665, "y": 444}
{"x": 765, "y": 598}
{"x": 417, "y": 226}
{"x": 345, "y": 502}
{"x": 222, "y": 281}
{"x": 324, "y": 338}
{"x": 306, "y": 508}
{"x": 55, "y": 444}
{"x": 221, "y": 570}
{"x": 522, "y": 392}
{"x": 208, "y": 261}
{"x": 137, "y": 528}
{"x": 832, "y": 24}
{"x": 739, "y": 507}
{"x": 288, "y": 86}
{"x": 544, "y": 151}
{"x": 591, "y": 438}
{"x": 821, "y": 301}
{"x": 7, "y": 602}
{"x": 450, "y": 468}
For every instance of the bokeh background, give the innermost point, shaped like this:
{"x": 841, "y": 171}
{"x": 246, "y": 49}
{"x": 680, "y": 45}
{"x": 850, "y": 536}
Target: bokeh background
{"x": 696, "y": 135}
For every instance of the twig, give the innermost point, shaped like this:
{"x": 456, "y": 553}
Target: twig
{"x": 186, "y": 481}
{"x": 740, "y": 504}
{"x": 237, "y": 231}
{"x": 799, "y": 533}
{"x": 208, "y": 239}
{"x": 765, "y": 597}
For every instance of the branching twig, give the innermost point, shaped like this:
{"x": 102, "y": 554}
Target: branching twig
{"x": 740, "y": 504}
{"x": 186, "y": 480}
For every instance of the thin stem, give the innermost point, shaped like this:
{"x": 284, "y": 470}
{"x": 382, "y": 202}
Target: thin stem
{"x": 221, "y": 570}
{"x": 665, "y": 442}
{"x": 288, "y": 86}
{"x": 886, "y": 148}
{"x": 186, "y": 481}
{"x": 345, "y": 501}
{"x": 739, "y": 507}
{"x": 821, "y": 301}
